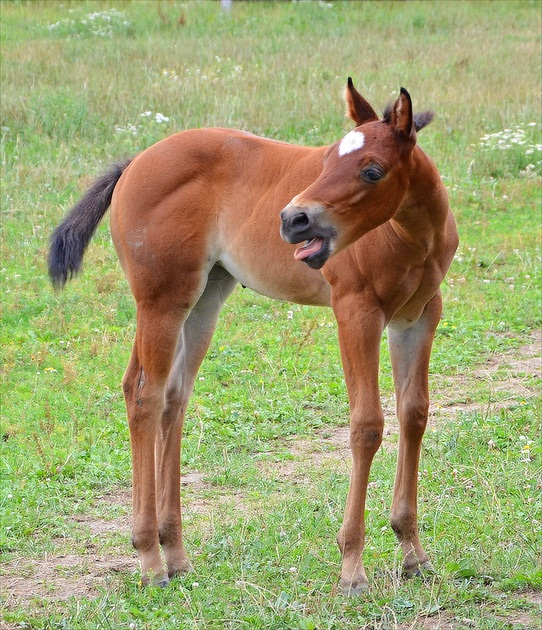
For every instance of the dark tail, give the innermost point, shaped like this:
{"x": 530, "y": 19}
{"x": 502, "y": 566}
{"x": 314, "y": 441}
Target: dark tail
{"x": 70, "y": 239}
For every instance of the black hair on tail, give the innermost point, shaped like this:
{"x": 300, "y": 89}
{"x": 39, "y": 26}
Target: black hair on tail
{"x": 70, "y": 239}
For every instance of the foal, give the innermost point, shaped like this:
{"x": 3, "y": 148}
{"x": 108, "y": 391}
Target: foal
{"x": 199, "y": 212}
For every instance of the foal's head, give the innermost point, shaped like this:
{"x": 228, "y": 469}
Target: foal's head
{"x": 362, "y": 183}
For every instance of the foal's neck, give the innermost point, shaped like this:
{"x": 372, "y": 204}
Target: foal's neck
{"x": 421, "y": 217}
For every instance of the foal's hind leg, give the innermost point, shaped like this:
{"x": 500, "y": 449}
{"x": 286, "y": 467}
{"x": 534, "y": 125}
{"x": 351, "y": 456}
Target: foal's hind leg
{"x": 194, "y": 340}
{"x": 410, "y": 351}
{"x": 158, "y": 323}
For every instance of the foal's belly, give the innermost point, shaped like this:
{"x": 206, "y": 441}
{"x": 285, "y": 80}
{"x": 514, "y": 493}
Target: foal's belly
{"x": 275, "y": 276}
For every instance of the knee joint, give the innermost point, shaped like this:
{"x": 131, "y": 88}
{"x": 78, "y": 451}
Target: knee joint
{"x": 144, "y": 539}
{"x": 367, "y": 435}
{"x": 413, "y": 415}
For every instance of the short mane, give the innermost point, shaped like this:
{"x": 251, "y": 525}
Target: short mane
{"x": 421, "y": 119}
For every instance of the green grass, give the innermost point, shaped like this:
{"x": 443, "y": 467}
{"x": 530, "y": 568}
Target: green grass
{"x": 263, "y": 437}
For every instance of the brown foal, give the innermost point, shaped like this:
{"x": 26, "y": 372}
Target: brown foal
{"x": 199, "y": 212}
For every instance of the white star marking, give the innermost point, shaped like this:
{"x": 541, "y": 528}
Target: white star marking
{"x": 353, "y": 141}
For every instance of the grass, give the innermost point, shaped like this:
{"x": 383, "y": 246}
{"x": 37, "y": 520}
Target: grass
{"x": 265, "y": 442}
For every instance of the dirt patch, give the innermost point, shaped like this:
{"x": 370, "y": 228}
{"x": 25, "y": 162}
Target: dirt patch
{"x": 442, "y": 621}
{"x": 326, "y": 445}
{"x": 59, "y": 577}
{"x": 194, "y": 480}
{"x": 446, "y": 620}
{"x": 64, "y": 574}
{"x": 506, "y": 379}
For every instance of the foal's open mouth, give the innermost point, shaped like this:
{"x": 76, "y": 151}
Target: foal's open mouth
{"x": 308, "y": 228}
{"x": 314, "y": 252}
{"x": 313, "y": 246}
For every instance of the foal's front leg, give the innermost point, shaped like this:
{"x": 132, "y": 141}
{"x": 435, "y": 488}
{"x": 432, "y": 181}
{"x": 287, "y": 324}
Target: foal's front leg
{"x": 410, "y": 350}
{"x": 360, "y": 332}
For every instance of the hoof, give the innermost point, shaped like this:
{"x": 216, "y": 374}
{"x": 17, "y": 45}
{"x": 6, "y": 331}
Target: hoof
{"x": 424, "y": 570}
{"x": 186, "y": 567}
{"x": 353, "y": 589}
{"x": 427, "y": 571}
{"x": 150, "y": 579}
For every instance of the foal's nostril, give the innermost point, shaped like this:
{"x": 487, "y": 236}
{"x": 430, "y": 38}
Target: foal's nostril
{"x": 300, "y": 221}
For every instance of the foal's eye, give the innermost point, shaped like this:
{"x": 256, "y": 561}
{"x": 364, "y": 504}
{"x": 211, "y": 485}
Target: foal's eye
{"x": 372, "y": 174}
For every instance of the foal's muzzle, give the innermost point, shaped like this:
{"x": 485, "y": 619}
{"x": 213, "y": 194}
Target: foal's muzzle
{"x": 307, "y": 224}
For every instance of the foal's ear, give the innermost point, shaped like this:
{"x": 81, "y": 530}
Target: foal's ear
{"x": 402, "y": 118}
{"x": 357, "y": 108}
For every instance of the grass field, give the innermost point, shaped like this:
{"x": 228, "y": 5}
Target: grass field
{"x": 265, "y": 454}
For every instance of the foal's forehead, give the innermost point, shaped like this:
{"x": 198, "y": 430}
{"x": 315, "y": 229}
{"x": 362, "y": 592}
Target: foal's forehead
{"x": 358, "y": 138}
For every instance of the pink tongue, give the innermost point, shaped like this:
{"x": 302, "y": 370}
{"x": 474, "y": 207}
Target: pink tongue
{"x": 310, "y": 248}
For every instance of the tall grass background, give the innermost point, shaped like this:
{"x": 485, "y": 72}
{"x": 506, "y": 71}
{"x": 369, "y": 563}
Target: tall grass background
{"x": 88, "y": 83}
